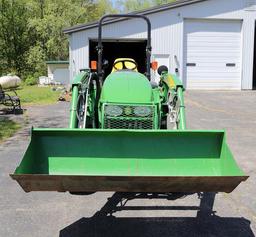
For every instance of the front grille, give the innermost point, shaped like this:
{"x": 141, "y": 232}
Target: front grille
{"x": 128, "y": 119}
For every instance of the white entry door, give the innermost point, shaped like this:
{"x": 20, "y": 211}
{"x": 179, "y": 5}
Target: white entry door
{"x": 212, "y": 54}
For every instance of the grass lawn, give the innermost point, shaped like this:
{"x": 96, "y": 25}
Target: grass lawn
{"x": 29, "y": 95}
{"x": 34, "y": 95}
{"x": 8, "y": 128}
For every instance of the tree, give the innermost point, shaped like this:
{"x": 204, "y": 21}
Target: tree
{"x": 32, "y": 31}
{"x": 134, "y": 5}
{"x": 14, "y": 37}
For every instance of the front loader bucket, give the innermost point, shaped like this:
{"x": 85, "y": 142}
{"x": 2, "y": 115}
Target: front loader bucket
{"x": 128, "y": 161}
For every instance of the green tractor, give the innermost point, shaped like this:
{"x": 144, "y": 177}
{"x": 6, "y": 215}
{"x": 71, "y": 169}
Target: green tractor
{"x": 127, "y": 134}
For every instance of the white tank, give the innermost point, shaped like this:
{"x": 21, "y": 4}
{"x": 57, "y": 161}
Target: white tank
{"x": 8, "y": 82}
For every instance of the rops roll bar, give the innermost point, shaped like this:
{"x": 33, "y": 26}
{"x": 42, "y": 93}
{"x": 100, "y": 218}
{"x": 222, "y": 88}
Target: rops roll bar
{"x": 100, "y": 45}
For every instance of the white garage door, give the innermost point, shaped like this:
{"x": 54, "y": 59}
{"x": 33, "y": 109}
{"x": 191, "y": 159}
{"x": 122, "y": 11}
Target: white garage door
{"x": 213, "y": 54}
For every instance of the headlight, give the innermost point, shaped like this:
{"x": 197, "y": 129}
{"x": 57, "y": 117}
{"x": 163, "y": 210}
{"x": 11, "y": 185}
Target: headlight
{"x": 113, "y": 110}
{"x": 142, "y": 111}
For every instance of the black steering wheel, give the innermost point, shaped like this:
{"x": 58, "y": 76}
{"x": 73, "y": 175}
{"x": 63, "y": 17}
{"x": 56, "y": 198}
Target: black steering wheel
{"x": 123, "y": 64}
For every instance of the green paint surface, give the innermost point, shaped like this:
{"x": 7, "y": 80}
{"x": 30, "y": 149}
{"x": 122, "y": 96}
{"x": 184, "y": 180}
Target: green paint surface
{"x": 126, "y": 87}
{"x": 128, "y": 153}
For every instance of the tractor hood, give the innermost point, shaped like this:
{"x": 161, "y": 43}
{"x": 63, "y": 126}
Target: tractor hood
{"x": 126, "y": 87}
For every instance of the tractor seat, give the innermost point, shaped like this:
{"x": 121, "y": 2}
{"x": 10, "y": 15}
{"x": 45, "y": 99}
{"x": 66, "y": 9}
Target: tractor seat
{"x": 124, "y": 64}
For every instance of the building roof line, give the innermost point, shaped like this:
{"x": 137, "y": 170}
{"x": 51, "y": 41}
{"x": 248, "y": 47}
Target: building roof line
{"x": 151, "y": 10}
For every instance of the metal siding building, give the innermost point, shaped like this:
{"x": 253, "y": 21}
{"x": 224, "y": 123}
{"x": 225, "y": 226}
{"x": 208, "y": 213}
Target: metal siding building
{"x": 210, "y": 42}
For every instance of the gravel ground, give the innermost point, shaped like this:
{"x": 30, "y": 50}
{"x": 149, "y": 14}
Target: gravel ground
{"x": 100, "y": 214}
